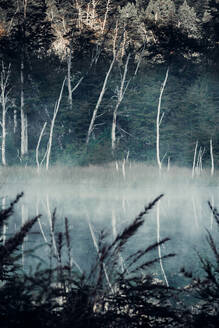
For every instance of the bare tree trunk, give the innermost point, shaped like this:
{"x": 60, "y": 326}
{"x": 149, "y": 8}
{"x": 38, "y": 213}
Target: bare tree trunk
{"x": 24, "y": 134}
{"x": 212, "y": 158}
{"x": 37, "y": 147}
{"x": 69, "y": 83}
{"x": 199, "y": 160}
{"x": 4, "y": 100}
{"x": 158, "y": 240}
{"x": 115, "y": 51}
{"x": 91, "y": 126}
{"x": 69, "y": 77}
{"x": 3, "y": 134}
{"x": 56, "y": 108}
{"x": 23, "y": 115}
{"x": 105, "y": 16}
{"x": 15, "y": 120}
{"x": 40, "y": 225}
{"x": 120, "y": 95}
{"x": 159, "y": 121}
{"x": 97, "y": 250}
{"x": 114, "y": 230}
{"x": 194, "y": 159}
{"x": 168, "y": 164}
{"x": 4, "y": 227}
{"x": 79, "y": 21}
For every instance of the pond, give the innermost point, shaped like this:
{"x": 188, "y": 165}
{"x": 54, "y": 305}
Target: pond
{"x": 97, "y": 198}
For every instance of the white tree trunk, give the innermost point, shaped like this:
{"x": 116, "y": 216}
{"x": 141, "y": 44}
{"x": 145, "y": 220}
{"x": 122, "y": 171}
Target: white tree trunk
{"x": 24, "y": 133}
{"x": 38, "y": 146}
{"x": 3, "y": 135}
{"x": 4, "y": 227}
{"x": 97, "y": 250}
{"x": 120, "y": 95}
{"x": 56, "y": 109}
{"x": 4, "y": 100}
{"x": 105, "y": 16}
{"x": 212, "y": 158}
{"x": 91, "y": 126}
{"x": 158, "y": 240}
{"x": 159, "y": 120}
{"x": 69, "y": 77}
{"x": 15, "y": 121}
{"x": 40, "y": 225}
{"x": 194, "y": 159}
{"x": 69, "y": 83}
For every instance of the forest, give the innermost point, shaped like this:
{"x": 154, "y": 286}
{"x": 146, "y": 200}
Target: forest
{"x": 81, "y": 81}
{"x": 109, "y": 163}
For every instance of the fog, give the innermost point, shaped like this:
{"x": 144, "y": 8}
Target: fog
{"x": 101, "y": 197}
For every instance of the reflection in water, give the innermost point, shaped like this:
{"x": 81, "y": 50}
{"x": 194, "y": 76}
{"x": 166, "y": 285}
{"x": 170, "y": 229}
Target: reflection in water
{"x": 97, "y": 198}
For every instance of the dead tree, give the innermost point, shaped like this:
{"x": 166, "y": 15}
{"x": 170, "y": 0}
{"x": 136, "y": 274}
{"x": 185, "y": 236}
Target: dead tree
{"x": 120, "y": 94}
{"x": 159, "y": 121}
{"x": 92, "y": 122}
{"x": 5, "y": 74}
{"x": 94, "y": 115}
{"x": 56, "y": 109}
{"x": 212, "y": 158}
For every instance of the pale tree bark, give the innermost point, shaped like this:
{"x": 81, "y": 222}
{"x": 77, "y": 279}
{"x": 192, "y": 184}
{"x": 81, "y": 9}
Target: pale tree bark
{"x": 195, "y": 212}
{"x": 212, "y": 158}
{"x": 91, "y": 126}
{"x": 69, "y": 76}
{"x": 199, "y": 160}
{"x": 40, "y": 225}
{"x": 139, "y": 60}
{"x": 23, "y": 115}
{"x": 194, "y": 159}
{"x": 4, "y": 227}
{"x": 159, "y": 121}
{"x": 5, "y": 74}
{"x": 114, "y": 230}
{"x": 120, "y": 96}
{"x": 38, "y": 146}
{"x": 71, "y": 88}
{"x": 15, "y": 121}
{"x": 24, "y": 134}
{"x": 56, "y": 109}
{"x": 159, "y": 246}
{"x": 80, "y": 18}
{"x": 97, "y": 250}
{"x": 105, "y": 16}
{"x": 168, "y": 164}
{"x": 115, "y": 52}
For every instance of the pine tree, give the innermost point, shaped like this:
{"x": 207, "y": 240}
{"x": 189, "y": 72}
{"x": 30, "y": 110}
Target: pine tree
{"x": 188, "y": 21}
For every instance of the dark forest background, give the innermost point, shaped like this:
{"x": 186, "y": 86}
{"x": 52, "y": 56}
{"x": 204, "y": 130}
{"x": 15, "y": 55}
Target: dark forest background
{"x": 46, "y": 41}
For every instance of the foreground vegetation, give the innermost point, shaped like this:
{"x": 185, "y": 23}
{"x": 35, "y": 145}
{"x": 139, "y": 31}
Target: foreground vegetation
{"x": 117, "y": 291}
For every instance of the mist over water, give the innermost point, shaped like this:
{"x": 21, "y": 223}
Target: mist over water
{"x": 100, "y": 197}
